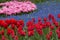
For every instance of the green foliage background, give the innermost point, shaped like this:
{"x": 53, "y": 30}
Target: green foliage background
{"x": 35, "y": 1}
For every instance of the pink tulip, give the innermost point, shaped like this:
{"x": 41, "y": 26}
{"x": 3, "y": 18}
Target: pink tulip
{"x": 14, "y": 7}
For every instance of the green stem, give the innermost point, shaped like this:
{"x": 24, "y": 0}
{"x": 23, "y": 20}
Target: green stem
{"x": 54, "y": 34}
{"x": 10, "y": 38}
{"x": 21, "y": 38}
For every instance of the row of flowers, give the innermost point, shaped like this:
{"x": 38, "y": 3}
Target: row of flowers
{"x": 13, "y": 29}
{"x": 14, "y": 7}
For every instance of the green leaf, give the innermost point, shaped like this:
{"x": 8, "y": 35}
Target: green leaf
{"x": 10, "y": 38}
{"x": 46, "y": 30}
{"x": 54, "y": 34}
{"x": 43, "y": 37}
{"x": 21, "y": 37}
{"x": 37, "y": 36}
{"x": 52, "y": 38}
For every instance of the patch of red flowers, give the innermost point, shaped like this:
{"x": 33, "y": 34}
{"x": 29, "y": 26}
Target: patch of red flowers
{"x": 16, "y": 27}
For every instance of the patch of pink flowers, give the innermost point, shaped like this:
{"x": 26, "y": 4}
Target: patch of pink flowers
{"x": 14, "y": 7}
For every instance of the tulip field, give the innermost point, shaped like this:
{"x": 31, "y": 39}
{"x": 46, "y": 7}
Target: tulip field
{"x": 11, "y": 29}
{"x": 29, "y": 19}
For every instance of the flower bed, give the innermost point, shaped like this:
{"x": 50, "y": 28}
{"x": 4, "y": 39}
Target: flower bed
{"x": 15, "y": 7}
{"x": 11, "y": 29}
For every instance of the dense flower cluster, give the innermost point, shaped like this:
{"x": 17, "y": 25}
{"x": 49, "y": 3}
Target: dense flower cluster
{"x": 16, "y": 29}
{"x": 14, "y": 7}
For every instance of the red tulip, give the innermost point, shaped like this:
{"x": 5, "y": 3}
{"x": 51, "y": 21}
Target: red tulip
{"x": 12, "y": 33}
{"x": 33, "y": 19}
{"x": 29, "y": 23}
{"x": 40, "y": 23}
{"x": 21, "y": 22}
{"x": 2, "y": 32}
{"x": 45, "y": 19}
{"x": 50, "y": 33}
{"x": 12, "y": 26}
{"x": 56, "y": 24}
{"x": 48, "y": 37}
{"x": 8, "y": 31}
{"x": 50, "y": 16}
{"x": 30, "y": 33}
{"x": 2, "y": 22}
{"x": 57, "y": 31}
{"x": 30, "y": 28}
{"x": 44, "y": 25}
{"x": 53, "y": 21}
{"x": 40, "y": 32}
{"x": 58, "y": 35}
{"x": 3, "y": 37}
{"x": 39, "y": 19}
{"x": 38, "y": 26}
{"x": 13, "y": 21}
{"x": 16, "y": 38}
{"x": 59, "y": 28}
{"x": 7, "y": 21}
{"x": 17, "y": 24}
{"x": 48, "y": 24}
{"x": 5, "y": 25}
{"x": 58, "y": 15}
{"x": 22, "y": 33}
{"x": 53, "y": 18}
{"x": 51, "y": 27}
{"x": 20, "y": 28}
